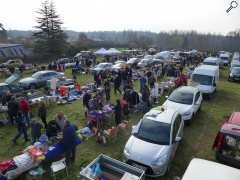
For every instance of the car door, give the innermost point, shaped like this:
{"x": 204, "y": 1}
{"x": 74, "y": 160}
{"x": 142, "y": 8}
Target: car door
{"x": 197, "y": 101}
{"x": 177, "y": 131}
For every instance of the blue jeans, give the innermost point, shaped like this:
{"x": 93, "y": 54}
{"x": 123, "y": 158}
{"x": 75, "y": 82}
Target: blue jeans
{"x": 145, "y": 106}
{"x": 26, "y": 118}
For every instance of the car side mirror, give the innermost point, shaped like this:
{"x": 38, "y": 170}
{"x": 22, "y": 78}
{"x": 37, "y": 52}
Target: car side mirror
{"x": 134, "y": 129}
{"x": 166, "y": 97}
{"x": 214, "y": 84}
{"x": 178, "y": 139}
{"x": 197, "y": 103}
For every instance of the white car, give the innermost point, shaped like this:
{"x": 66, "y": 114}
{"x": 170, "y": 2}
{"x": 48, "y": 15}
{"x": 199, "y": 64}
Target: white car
{"x": 118, "y": 65}
{"x": 186, "y": 100}
{"x": 154, "y": 141}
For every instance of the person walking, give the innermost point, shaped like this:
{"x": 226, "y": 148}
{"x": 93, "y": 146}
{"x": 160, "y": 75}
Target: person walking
{"x": 118, "y": 112}
{"x": 117, "y": 84}
{"x": 42, "y": 113}
{"x": 12, "y": 110}
{"x": 25, "y": 109}
{"x": 107, "y": 88}
{"x": 145, "y": 98}
{"x": 21, "y": 127}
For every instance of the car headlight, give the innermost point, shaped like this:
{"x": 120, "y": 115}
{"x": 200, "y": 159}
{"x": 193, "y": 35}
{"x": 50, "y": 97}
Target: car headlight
{"x": 231, "y": 75}
{"x": 126, "y": 151}
{"x": 160, "y": 161}
{"x": 188, "y": 113}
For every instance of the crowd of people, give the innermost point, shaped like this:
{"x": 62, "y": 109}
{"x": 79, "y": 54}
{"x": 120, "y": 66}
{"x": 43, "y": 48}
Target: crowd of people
{"x": 121, "y": 83}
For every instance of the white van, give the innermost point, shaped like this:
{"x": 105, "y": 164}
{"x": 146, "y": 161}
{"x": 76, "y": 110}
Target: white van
{"x": 206, "y": 77}
{"x": 200, "y": 169}
{"x": 213, "y": 61}
{"x": 225, "y": 57}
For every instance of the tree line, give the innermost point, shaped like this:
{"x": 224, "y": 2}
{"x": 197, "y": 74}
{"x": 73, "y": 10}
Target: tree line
{"x": 50, "y": 42}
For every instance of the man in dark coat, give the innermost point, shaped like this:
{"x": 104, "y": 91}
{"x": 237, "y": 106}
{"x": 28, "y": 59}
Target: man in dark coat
{"x": 69, "y": 142}
{"x": 12, "y": 110}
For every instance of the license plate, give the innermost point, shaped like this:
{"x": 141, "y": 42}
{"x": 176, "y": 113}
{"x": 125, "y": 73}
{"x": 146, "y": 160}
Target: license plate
{"x": 139, "y": 166}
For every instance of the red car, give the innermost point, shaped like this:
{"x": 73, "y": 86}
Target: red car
{"x": 227, "y": 142}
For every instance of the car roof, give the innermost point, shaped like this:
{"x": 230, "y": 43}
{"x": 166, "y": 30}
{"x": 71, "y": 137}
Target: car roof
{"x": 105, "y": 63}
{"x": 160, "y": 114}
{"x": 46, "y": 71}
{"x": 206, "y": 70}
{"x": 189, "y": 89}
{"x": 211, "y": 59}
{"x": 200, "y": 169}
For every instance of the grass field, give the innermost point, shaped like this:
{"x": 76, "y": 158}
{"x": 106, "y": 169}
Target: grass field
{"x": 198, "y": 138}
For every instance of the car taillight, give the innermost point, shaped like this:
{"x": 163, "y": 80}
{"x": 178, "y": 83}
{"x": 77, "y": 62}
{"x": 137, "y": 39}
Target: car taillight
{"x": 218, "y": 141}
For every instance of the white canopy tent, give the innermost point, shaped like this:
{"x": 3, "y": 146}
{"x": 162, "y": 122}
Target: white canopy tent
{"x": 113, "y": 51}
{"x": 101, "y": 52}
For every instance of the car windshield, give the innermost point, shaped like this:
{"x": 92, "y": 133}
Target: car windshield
{"x": 37, "y": 75}
{"x": 181, "y": 97}
{"x": 210, "y": 63}
{"x": 101, "y": 65}
{"x": 154, "y": 132}
{"x": 202, "y": 79}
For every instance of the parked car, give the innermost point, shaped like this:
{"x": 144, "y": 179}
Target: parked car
{"x": 235, "y": 63}
{"x": 154, "y": 141}
{"x": 206, "y": 78}
{"x": 14, "y": 63}
{"x": 12, "y": 88}
{"x": 144, "y": 63}
{"x": 186, "y": 100}
{"x": 118, "y": 65}
{"x": 227, "y": 142}
{"x": 200, "y": 169}
{"x": 234, "y": 74}
{"x": 213, "y": 61}
{"x": 102, "y": 67}
{"x": 39, "y": 79}
{"x": 133, "y": 62}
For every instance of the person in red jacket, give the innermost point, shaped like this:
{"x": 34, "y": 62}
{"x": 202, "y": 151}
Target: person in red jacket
{"x": 25, "y": 109}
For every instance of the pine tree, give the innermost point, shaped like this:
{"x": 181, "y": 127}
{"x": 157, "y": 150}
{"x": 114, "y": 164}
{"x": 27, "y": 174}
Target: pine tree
{"x": 50, "y": 40}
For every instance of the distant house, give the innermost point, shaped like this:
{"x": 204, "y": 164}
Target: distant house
{"x": 9, "y": 51}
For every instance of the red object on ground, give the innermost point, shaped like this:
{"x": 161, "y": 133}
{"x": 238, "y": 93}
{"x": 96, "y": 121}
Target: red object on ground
{"x": 5, "y": 165}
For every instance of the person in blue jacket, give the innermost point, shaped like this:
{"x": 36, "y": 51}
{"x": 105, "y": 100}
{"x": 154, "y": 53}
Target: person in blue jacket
{"x": 69, "y": 142}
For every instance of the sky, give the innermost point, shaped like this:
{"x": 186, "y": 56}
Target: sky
{"x": 146, "y": 15}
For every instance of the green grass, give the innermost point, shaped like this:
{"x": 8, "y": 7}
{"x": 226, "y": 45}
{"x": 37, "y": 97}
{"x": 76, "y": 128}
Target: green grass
{"x": 198, "y": 138}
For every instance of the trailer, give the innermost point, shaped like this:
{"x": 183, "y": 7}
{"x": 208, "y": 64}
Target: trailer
{"x": 106, "y": 168}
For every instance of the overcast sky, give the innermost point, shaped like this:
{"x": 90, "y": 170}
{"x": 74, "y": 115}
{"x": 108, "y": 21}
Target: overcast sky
{"x": 152, "y": 15}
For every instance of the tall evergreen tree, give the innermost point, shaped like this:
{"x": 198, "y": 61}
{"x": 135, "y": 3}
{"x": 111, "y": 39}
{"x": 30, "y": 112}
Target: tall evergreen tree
{"x": 50, "y": 40}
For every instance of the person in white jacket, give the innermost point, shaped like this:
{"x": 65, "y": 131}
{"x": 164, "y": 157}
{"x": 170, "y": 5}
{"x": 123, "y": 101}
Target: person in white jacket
{"x": 154, "y": 93}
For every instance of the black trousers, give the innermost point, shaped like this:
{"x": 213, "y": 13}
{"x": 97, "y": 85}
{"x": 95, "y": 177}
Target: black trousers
{"x": 44, "y": 121}
{"x": 22, "y": 130}
{"x": 70, "y": 155}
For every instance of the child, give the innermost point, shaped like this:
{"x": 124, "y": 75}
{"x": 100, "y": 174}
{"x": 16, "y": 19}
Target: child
{"x": 36, "y": 127}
